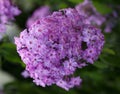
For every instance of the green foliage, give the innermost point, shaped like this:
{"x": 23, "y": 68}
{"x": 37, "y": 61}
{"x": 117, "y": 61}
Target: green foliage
{"x": 8, "y": 52}
{"x": 76, "y": 1}
{"x": 102, "y": 8}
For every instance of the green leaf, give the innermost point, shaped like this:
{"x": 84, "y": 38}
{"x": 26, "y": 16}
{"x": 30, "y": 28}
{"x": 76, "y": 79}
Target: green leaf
{"x": 109, "y": 51}
{"x": 8, "y": 51}
{"x": 76, "y": 1}
{"x": 100, "y": 65}
{"x": 102, "y": 8}
{"x": 62, "y": 5}
{"x": 95, "y": 75}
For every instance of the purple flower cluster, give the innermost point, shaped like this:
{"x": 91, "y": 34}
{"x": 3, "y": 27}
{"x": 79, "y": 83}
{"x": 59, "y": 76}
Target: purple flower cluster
{"x": 39, "y": 13}
{"x": 112, "y": 19}
{"x": 89, "y": 11}
{"x": 95, "y": 18}
{"x": 55, "y": 46}
{"x": 7, "y": 13}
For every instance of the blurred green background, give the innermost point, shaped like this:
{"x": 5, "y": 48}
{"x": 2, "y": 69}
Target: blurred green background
{"x": 103, "y": 77}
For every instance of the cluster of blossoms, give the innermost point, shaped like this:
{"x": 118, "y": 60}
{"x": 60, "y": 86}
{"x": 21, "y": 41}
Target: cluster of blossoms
{"x": 112, "y": 19}
{"x": 93, "y": 17}
{"x": 88, "y": 10}
{"x": 39, "y": 13}
{"x": 55, "y": 46}
{"x": 7, "y": 13}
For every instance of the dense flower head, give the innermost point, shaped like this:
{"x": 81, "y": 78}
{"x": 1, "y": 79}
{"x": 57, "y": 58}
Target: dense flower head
{"x": 38, "y": 13}
{"x": 7, "y": 13}
{"x": 55, "y": 46}
{"x": 88, "y": 10}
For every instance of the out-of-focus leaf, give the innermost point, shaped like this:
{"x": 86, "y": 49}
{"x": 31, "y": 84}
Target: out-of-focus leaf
{"x": 76, "y": 1}
{"x": 102, "y": 8}
{"x": 18, "y": 87}
{"x": 100, "y": 65}
{"x": 112, "y": 60}
{"x": 95, "y": 76}
{"x": 8, "y": 51}
{"x": 23, "y": 88}
{"x": 62, "y": 5}
{"x": 109, "y": 51}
